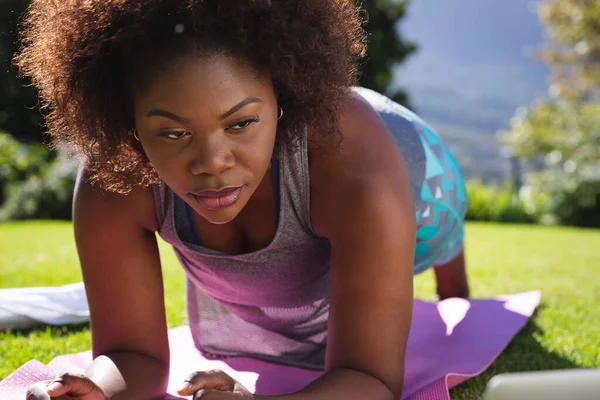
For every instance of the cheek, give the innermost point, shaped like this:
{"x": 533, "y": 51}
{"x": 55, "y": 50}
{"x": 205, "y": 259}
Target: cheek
{"x": 260, "y": 151}
{"x": 163, "y": 163}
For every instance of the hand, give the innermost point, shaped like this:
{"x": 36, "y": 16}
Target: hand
{"x": 66, "y": 386}
{"x": 213, "y": 385}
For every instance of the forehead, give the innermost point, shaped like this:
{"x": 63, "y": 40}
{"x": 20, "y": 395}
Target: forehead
{"x": 215, "y": 80}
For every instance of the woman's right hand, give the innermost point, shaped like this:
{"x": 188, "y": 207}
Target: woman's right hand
{"x": 66, "y": 386}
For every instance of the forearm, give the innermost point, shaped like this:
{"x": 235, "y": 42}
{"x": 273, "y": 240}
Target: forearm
{"x": 340, "y": 384}
{"x": 451, "y": 278}
{"x": 131, "y": 376}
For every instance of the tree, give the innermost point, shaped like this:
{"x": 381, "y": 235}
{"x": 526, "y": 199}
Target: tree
{"x": 386, "y": 48}
{"x": 18, "y": 112}
{"x": 562, "y": 133}
{"x": 574, "y": 54}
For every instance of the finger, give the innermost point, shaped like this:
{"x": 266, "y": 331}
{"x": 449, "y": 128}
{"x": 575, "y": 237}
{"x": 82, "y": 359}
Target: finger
{"x": 71, "y": 384}
{"x": 38, "y": 391}
{"x": 209, "y": 394}
{"x": 215, "y": 379}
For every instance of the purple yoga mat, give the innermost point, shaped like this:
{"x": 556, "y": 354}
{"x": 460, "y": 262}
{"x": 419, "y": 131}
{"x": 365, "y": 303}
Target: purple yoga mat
{"x": 449, "y": 342}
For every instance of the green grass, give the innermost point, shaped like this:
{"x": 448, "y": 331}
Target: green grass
{"x": 564, "y": 263}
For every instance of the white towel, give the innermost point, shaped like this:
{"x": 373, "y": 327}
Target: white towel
{"x": 27, "y": 307}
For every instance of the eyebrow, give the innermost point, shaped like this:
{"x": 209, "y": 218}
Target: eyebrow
{"x": 157, "y": 112}
{"x": 243, "y": 103}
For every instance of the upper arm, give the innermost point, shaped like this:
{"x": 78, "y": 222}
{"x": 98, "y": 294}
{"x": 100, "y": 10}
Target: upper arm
{"x": 121, "y": 270}
{"x": 361, "y": 200}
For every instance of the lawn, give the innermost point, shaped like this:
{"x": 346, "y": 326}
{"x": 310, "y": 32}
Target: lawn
{"x": 564, "y": 263}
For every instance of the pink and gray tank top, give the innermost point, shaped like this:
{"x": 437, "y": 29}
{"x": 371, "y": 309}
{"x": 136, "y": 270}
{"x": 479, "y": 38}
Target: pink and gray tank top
{"x": 273, "y": 303}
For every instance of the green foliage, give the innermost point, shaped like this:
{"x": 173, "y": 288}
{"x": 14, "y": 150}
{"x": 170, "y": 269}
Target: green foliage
{"x": 18, "y": 161}
{"x": 564, "y": 137}
{"x": 386, "y": 48}
{"x": 36, "y": 183}
{"x": 560, "y": 137}
{"x": 18, "y": 112}
{"x": 500, "y": 204}
{"x": 571, "y": 129}
{"x": 570, "y": 198}
{"x": 574, "y": 53}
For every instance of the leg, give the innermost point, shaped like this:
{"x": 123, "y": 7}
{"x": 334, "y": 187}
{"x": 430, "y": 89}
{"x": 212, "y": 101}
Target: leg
{"x": 441, "y": 204}
{"x": 451, "y": 278}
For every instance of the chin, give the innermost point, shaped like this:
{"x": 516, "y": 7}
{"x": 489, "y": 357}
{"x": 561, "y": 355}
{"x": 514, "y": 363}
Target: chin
{"x": 220, "y": 217}
{"x": 219, "y": 221}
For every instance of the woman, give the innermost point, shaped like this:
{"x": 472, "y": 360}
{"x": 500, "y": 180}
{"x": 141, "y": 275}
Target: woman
{"x": 233, "y": 130}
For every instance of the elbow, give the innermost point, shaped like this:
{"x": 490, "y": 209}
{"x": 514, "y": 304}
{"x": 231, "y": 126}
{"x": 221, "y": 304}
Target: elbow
{"x": 393, "y": 392}
{"x": 130, "y": 375}
{"x": 378, "y": 388}
{"x": 396, "y": 394}
{"x": 387, "y": 391}
{"x": 390, "y": 389}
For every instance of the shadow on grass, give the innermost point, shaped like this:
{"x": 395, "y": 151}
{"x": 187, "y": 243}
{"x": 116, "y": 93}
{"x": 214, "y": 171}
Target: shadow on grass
{"x": 524, "y": 353}
{"x": 53, "y": 330}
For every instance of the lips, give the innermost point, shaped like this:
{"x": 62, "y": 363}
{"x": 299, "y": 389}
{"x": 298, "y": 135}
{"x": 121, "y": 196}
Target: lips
{"x": 218, "y": 199}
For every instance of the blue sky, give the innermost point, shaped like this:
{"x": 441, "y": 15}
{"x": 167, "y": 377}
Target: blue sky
{"x": 475, "y": 64}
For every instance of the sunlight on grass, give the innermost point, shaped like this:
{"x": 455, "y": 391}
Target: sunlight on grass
{"x": 564, "y": 263}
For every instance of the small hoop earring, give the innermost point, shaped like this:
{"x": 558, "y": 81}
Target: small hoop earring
{"x": 280, "y": 113}
{"x": 135, "y": 135}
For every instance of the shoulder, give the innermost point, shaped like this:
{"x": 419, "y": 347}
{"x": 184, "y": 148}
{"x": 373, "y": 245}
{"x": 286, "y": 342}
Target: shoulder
{"x": 136, "y": 207}
{"x": 364, "y": 162}
{"x": 362, "y": 144}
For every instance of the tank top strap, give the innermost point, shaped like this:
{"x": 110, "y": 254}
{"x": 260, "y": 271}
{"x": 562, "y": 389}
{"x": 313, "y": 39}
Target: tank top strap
{"x": 295, "y": 183}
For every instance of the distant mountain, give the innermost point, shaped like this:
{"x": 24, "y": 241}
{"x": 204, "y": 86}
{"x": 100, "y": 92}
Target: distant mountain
{"x": 483, "y": 112}
{"x": 475, "y": 66}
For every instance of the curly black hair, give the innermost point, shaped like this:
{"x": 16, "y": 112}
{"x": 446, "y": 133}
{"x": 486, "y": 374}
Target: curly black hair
{"x": 77, "y": 54}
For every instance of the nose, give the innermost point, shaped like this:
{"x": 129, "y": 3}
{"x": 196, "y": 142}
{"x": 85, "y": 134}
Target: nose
{"x": 211, "y": 157}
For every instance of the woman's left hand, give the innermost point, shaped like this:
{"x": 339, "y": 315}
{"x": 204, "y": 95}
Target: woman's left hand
{"x": 213, "y": 385}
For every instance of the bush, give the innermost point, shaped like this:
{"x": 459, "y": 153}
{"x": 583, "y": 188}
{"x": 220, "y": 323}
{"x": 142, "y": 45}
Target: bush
{"x": 35, "y": 182}
{"x": 571, "y": 198}
{"x": 559, "y": 140}
{"x": 500, "y": 204}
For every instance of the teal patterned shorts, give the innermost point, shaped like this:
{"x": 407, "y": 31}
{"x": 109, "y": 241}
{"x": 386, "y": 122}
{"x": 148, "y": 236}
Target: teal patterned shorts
{"x": 441, "y": 204}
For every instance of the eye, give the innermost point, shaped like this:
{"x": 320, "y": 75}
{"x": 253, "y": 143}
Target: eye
{"x": 241, "y": 125}
{"x": 173, "y": 135}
